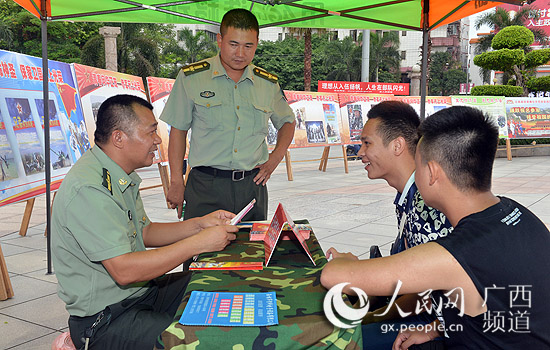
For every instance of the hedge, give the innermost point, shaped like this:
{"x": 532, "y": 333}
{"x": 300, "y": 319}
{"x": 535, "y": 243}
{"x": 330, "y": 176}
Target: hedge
{"x": 497, "y": 90}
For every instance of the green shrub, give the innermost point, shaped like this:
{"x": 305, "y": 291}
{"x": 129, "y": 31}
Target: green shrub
{"x": 502, "y": 59}
{"x": 497, "y": 90}
{"x": 513, "y": 37}
{"x": 537, "y": 58}
{"x": 539, "y": 84}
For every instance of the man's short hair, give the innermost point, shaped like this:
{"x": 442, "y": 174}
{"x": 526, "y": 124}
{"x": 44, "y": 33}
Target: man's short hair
{"x": 463, "y": 140}
{"x": 239, "y": 19}
{"x": 396, "y": 119}
{"x": 117, "y": 113}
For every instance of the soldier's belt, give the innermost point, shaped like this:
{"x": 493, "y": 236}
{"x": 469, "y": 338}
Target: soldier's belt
{"x": 235, "y": 175}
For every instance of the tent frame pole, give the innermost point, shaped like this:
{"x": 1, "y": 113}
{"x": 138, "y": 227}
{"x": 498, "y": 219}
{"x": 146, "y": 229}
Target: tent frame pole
{"x": 46, "y": 99}
{"x": 425, "y": 53}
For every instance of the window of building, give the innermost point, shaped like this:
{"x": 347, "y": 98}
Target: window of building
{"x": 280, "y": 36}
{"x": 403, "y": 55}
{"x": 404, "y": 33}
{"x": 353, "y": 34}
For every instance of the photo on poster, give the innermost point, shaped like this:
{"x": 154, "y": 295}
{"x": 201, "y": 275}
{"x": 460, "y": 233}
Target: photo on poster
{"x": 30, "y": 148}
{"x": 8, "y": 168}
{"x": 315, "y": 132}
{"x": 271, "y": 134}
{"x": 300, "y": 114}
{"x": 96, "y": 101}
{"x": 355, "y": 119}
{"x": 58, "y": 147}
{"x": 333, "y": 133}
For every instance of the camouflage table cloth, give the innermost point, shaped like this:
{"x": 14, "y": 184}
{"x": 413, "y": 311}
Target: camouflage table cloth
{"x": 302, "y": 322}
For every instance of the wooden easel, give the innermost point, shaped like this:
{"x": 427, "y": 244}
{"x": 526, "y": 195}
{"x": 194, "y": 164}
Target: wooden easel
{"x": 6, "y": 290}
{"x": 325, "y": 158}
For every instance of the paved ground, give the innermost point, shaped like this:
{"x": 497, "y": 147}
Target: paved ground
{"x": 347, "y": 211}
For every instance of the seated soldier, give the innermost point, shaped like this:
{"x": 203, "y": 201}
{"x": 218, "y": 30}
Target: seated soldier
{"x": 492, "y": 266}
{"x": 114, "y": 289}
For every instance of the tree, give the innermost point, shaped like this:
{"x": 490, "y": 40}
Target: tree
{"x": 138, "y": 48}
{"x": 343, "y": 60}
{"x": 512, "y": 55}
{"x": 20, "y": 32}
{"x": 384, "y": 53}
{"x": 500, "y": 19}
{"x": 445, "y": 75}
{"x": 188, "y": 49}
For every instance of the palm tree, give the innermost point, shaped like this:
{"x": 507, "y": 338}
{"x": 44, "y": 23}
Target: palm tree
{"x": 138, "y": 54}
{"x": 6, "y": 35}
{"x": 306, "y": 34}
{"x": 344, "y": 57}
{"x": 192, "y": 48}
{"x": 384, "y": 53}
{"x": 501, "y": 18}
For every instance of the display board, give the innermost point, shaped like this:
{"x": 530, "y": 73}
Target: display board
{"x": 159, "y": 90}
{"x": 492, "y": 105}
{"x": 95, "y": 85}
{"x": 353, "y": 111}
{"x": 433, "y": 103}
{"x": 22, "y": 144}
{"x": 318, "y": 120}
{"x": 527, "y": 117}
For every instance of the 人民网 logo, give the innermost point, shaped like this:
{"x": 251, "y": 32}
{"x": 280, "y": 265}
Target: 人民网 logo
{"x": 341, "y": 315}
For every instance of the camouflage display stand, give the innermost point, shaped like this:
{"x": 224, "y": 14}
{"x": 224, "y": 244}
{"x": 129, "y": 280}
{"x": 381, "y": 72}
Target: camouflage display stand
{"x": 302, "y": 322}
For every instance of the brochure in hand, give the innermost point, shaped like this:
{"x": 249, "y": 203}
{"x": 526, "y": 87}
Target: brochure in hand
{"x": 230, "y": 309}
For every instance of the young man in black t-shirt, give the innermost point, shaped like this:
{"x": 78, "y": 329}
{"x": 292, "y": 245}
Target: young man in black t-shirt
{"x": 494, "y": 266}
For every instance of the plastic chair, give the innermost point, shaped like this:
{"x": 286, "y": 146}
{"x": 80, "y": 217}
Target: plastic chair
{"x": 63, "y": 342}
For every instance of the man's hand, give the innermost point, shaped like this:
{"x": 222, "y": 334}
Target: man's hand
{"x": 266, "y": 169}
{"x": 408, "y": 338}
{"x": 336, "y": 254}
{"x": 175, "y": 196}
{"x": 216, "y": 238}
{"x": 216, "y": 218}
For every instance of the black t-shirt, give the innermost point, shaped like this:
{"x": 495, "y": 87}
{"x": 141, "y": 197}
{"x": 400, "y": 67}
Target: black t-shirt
{"x": 505, "y": 250}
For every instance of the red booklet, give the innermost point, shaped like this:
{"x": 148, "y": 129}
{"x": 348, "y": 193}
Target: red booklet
{"x": 274, "y": 233}
{"x": 259, "y": 229}
{"x": 230, "y": 265}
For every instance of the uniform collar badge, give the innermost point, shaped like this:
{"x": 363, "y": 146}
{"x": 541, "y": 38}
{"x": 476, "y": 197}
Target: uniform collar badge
{"x": 208, "y": 94}
{"x": 122, "y": 182}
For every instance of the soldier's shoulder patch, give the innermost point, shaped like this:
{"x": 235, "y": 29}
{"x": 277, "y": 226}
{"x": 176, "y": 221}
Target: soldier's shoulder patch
{"x": 195, "y": 68}
{"x": 266, "y": 75}
{"x": 107, "y": 180}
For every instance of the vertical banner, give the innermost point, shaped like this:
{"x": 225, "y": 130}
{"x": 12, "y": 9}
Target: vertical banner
{"x": 22, "y": 143}
{"x": 491, "y": 105}
{"x": 159, "y": 90}
{"x": 353, "y": 109}
{"x": 528, "y": 117}
{"x": 318, "y": 120}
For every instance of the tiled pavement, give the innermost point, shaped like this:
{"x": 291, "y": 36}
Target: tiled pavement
{"x": 347, "y": 211}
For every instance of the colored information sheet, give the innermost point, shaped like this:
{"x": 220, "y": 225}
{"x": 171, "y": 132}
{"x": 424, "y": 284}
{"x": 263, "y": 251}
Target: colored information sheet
{"x": 230, "y": 309}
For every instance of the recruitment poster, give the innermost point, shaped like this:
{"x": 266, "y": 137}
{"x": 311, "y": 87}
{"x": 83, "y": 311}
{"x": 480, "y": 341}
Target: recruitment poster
{"x": 159, "y": 90}
{"x": 96, "y": 85}
{"x": 22, "y": 143}
{"x": 528, "y": 117}
{"x": 353, "y": 109}
{"x": 433, "y": 103}
{"x": 318, "y": 121}
{"x": 491, "y": 105}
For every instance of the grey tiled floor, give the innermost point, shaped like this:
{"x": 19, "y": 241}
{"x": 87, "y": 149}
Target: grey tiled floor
{"x": 347, "y": 211}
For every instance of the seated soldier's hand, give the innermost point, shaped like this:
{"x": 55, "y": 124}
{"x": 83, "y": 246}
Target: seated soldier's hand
{"x": 333, "y": 253}
{"x": 216, "y": 218}
{"x": 216, "y": 238}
